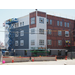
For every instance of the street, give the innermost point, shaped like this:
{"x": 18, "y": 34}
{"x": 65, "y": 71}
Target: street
{"x": 58, "y": 62}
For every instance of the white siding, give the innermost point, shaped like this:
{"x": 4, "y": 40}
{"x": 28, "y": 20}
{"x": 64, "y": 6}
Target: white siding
{"x": 24, "y": 19}
{"x": 41, "y": 36}
{"x": 32, "y": 37}
{"x": 38, "y": 36}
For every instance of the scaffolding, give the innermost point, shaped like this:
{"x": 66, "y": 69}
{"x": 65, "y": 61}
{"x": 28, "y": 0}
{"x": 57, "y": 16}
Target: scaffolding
{"x": 11, "y": 23}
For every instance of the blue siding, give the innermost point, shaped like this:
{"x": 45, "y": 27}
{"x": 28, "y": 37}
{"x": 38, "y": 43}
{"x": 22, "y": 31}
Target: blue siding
{"x": 25, "y": 37}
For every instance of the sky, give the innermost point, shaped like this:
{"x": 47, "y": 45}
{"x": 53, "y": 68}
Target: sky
{"x": 15, "y": 13}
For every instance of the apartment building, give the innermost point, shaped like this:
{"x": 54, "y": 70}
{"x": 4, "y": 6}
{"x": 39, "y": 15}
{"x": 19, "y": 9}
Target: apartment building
{"x": 41, "y": 32}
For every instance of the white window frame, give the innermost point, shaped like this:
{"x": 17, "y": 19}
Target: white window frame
{"x": 16, "y": 33}
{"x": 33, "y": 20}
{"x": 57, "y": 23}
{"x": 16, "y": 43}
{"x": 41, "y": 31}
{"x": 49, "y": 42}
{"x": 41, "y": 42}
{"x": 49, "y": 31}
{"x": 47, "y": 21}
{"x": 22, "y": 33}
{"x": 21, "y": 23}
{"x": 60, "y": 23}
{"x": 50, "y": 21}
{"x": 67, "y": 24}
{"x": 32, "y": 31}
{"x": 7, "y": 35}
{"x": 32, "y": 42}
{"x": 16, "y": 25}
{"x": 21, "y": 42}
{"x": 66, "y": 32}
{"x": 59, "y": 33}
{"x": 41, "y": 20}
{"x": 59, "y": 42}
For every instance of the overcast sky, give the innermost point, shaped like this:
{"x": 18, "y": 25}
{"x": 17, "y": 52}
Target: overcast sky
{"x": 15, "y": 13}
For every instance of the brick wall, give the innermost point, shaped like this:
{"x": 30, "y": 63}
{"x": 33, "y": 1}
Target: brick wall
{"x": 54, "y": 36}
{"x": 33, "y": 14}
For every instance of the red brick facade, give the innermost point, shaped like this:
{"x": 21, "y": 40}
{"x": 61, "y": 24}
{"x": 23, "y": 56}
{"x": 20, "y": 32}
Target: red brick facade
{"x": 42, "y": 14}
{"x": 33, "y": 14}
{"x": 54, "y": 36}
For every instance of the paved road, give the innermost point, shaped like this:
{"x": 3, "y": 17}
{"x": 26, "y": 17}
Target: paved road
{"x": 58, "y": 62}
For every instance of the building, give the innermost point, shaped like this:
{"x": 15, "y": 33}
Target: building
{"x": 41, "y": 32}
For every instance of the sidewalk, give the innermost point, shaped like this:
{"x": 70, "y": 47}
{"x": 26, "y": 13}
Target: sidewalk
{"x": 58, "y": 62}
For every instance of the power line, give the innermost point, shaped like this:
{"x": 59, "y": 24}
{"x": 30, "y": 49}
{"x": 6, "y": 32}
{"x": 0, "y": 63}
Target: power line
{"x": 38, "y": 30}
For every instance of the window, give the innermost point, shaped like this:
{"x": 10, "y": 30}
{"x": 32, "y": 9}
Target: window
{"x": 21, "y": 23}
{"x": 57, "y": 23}
{"x": 33, "y": 20}
{"x": 6, "y": 27}
{"x": 49, "y": 31}
{"x": 16, "y": 43}
{"x": 60, "y": 23}
{"x": 51, "y": 22}
{"x": 65, "y": 24}
{"x": 66, "y": 33}
{"x": 59, "y": 52}
{"x": 22, "y": 33}
{"x": 49, "y": 42}
{"x": 16, "y": 25}
{"x": 47, "y": 21}
{"x": 59, "y": 33}
{"x": 41, "y": 31}
{"x": 41, "y": 20}
{"x": 41, "y": 42}
{"x": 7, "y": 35}
{"x": 16, "y": 34}
{"x": 21, "y": 42}
{"x": 32, "y": 42}
{"x": 59, "y": 42}
{"x": 32, "y": 31}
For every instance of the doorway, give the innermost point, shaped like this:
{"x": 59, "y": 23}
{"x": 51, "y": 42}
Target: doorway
{"x": 59, "y": 52}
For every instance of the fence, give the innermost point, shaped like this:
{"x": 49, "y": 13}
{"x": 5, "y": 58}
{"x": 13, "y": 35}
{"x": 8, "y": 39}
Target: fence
{"x": 23, "y": 59}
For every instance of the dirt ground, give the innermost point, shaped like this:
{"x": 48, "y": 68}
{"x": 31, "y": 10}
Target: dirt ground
{"x": 58, "y": 62}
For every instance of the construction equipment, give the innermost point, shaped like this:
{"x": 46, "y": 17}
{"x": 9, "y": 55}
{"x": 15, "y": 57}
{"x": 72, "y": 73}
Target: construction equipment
{"x": 11, "y": 23}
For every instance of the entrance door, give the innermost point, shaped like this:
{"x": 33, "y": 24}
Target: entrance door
{"x": 59, "y": 53}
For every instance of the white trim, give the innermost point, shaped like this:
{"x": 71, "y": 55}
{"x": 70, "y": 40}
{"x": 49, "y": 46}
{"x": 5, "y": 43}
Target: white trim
{"x": 20, "y": 26}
